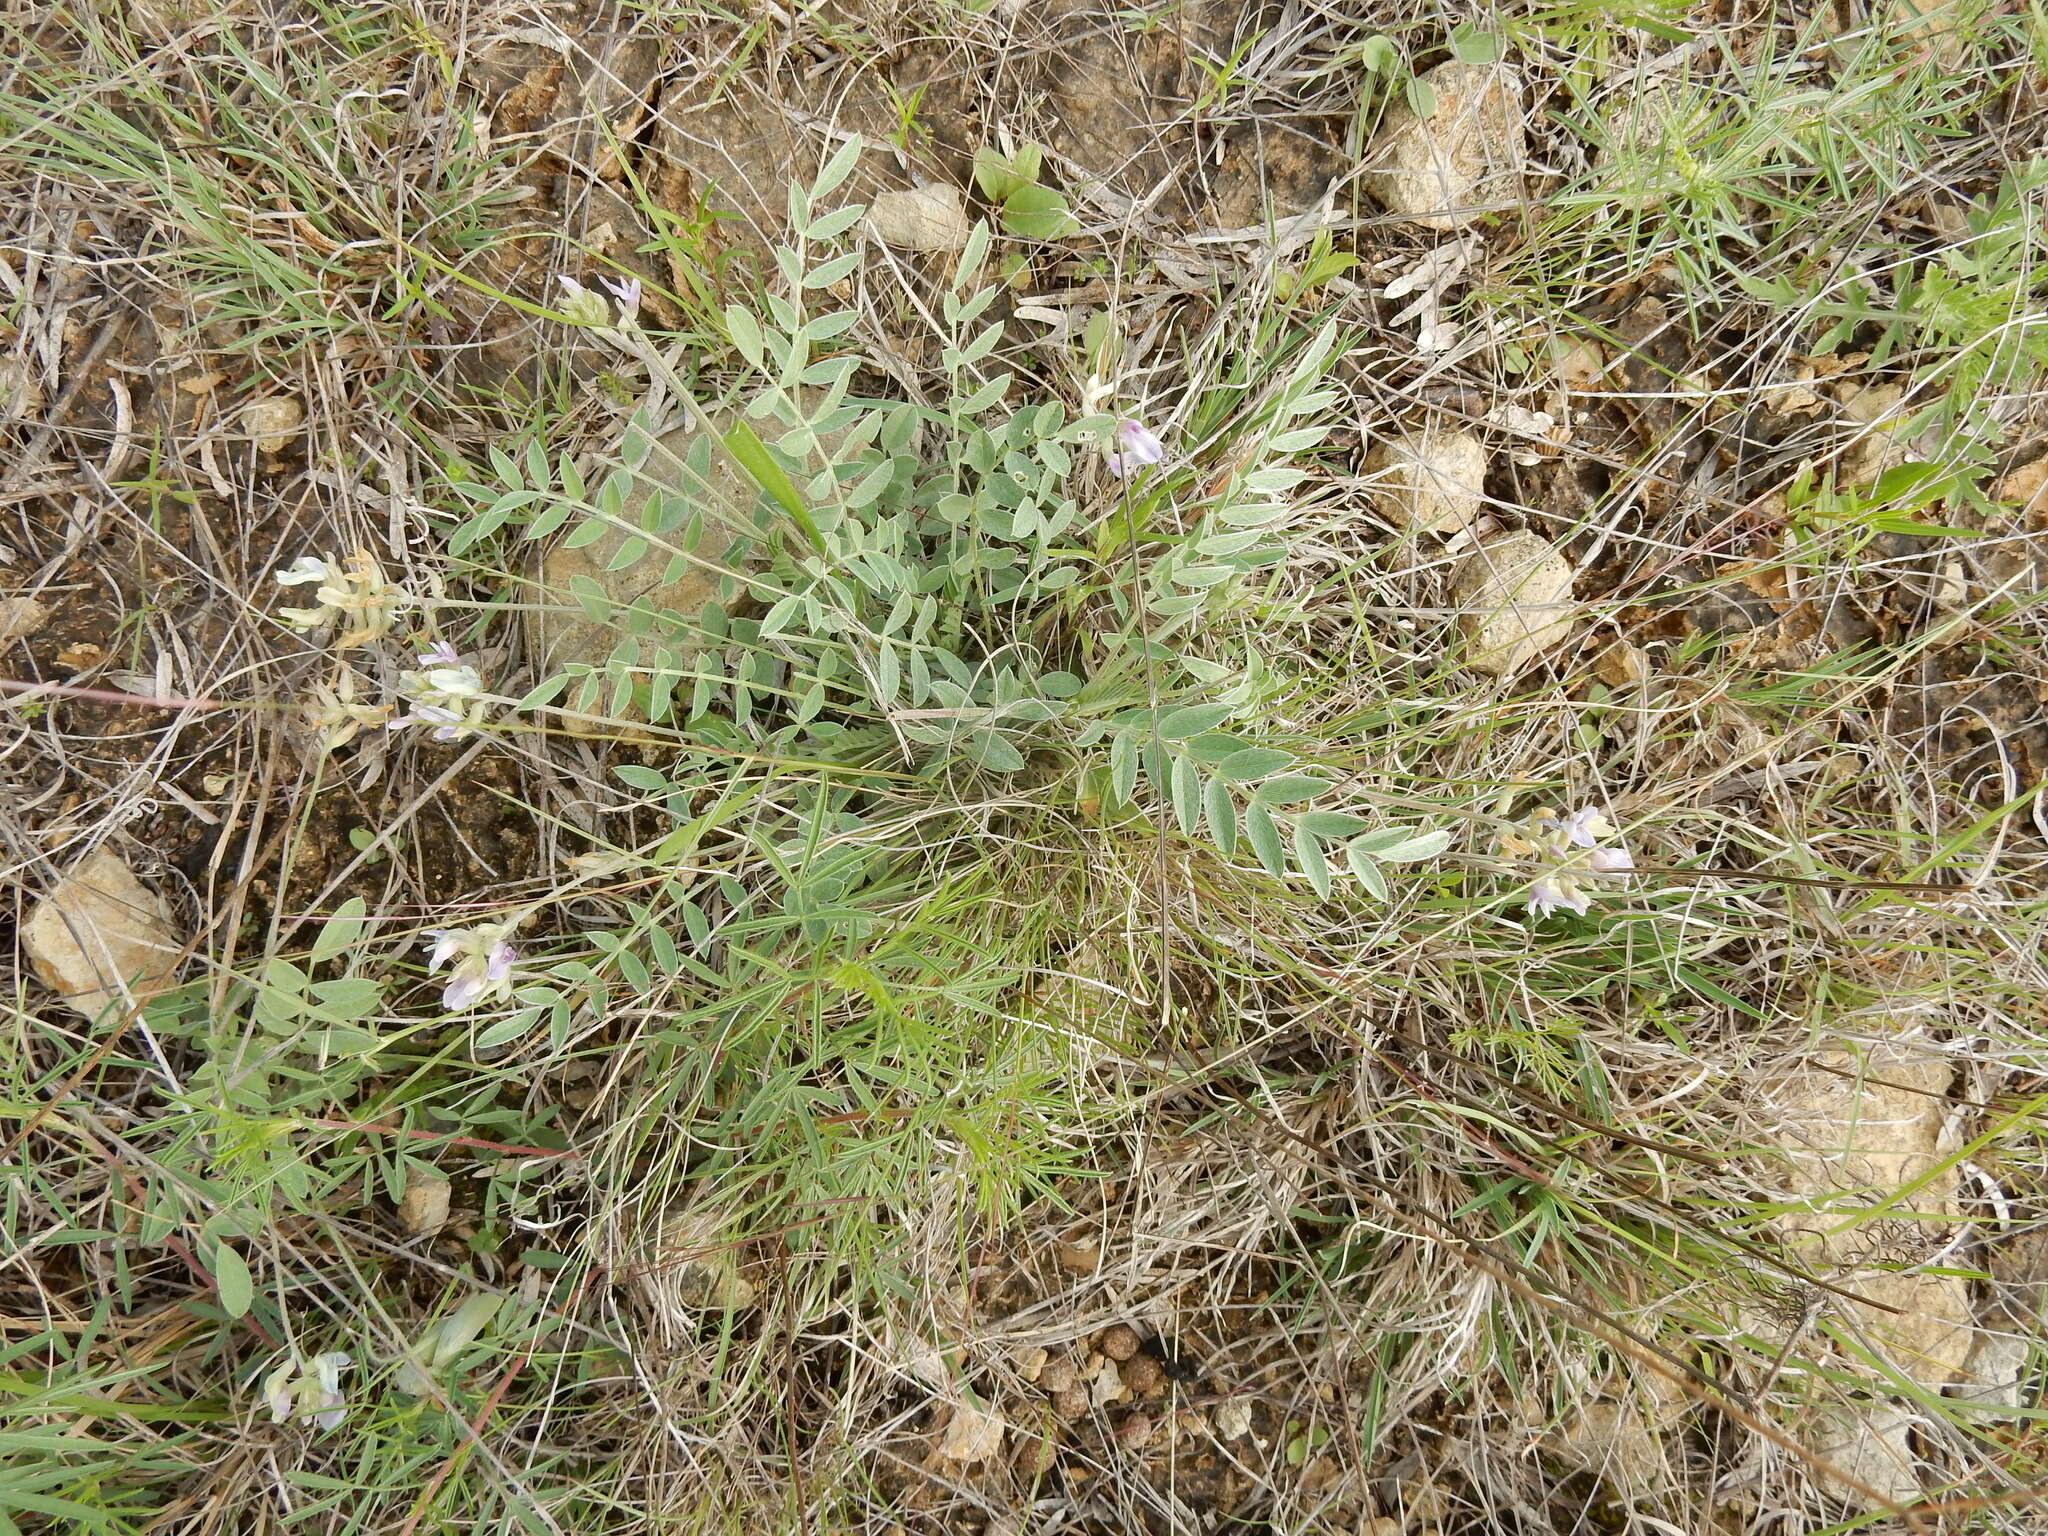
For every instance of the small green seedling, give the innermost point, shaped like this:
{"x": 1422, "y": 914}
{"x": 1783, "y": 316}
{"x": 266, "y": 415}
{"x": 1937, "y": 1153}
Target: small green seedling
{"x": 1027, "y": 208}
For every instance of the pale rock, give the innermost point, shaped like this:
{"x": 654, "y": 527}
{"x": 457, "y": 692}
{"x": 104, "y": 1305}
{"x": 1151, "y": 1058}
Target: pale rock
{"x": 2023, "y": 484}
{"x": 1515, "y": 593}
{"x": 423, "y": 1209}
{"x": 1233, "y": 1418}
{"x": 1108, "y": 1385}
{"x": 101, "y": 937}
{"x": 273, "y": 421}
{"x": 1429, "y": 479}
{"x": 1853, "y": 1130}
{"x": 1621, "y": 665}
{"x": 1995, "y": 1374}
{"x": 1869, "y": 1449}
{"x": 1875, "y": 446}
{"x": 1856, "y": 1131}
{"x": 1580, "y": 368}
{"x": 928, "y": 218}
{"x": 1615, "y": 1441}
{"x": 972, "y": 1434}
{"x": 21, "y": 617}
{"x": 1440, "y": 170}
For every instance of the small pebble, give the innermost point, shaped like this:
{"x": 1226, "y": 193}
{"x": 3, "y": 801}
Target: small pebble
{"x": 1135, "y": 1431}
{"x": 1079, "y": 1258}
{"x": 1119, "y": 1341}
{"x": 21, "y": 617}
{"x": 1143, "y": 1373}
{"x": 1058, "y": 1375}
{"x": 1070, "y": 1403}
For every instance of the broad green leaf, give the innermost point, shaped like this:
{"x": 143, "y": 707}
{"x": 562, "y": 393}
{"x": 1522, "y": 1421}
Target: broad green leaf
{"x": 640, "y": 777}
{"x": 1366, "y": 870}
{"x": 997, "y": 753}
{"x": 1332, "y": 823}
{"x": 1192, "y": 720}
{"x": 1264, "y": 836}
{"x": 1412, "y": 846}
{"x": 1220, "y": 811}
{"x": 231, "y": 1278}
{"x": 1308, "y": 853}
{"x": 825, "y": 227}
{"x": 1038, "y": 213}
{"x": 1254, "y": 763}
{"x": 461, "y": 1330}
{"x": 1290, "y": 789}
{"x": 1473, "y": 44}
{"x": 510, "y": 1028}
{"x": 839, "y": 167}
{"x": 1187, "y": 795}
{"x": 347, "y": 998}
{"x": 1215, "y": 746}
{"x": 340, "y": 931}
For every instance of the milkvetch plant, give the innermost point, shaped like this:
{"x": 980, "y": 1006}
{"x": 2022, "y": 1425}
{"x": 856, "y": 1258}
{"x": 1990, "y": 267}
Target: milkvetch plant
{"x": 935, "y": 585}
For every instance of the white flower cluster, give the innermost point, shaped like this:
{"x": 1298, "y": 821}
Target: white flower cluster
{"x": 583, "y": 307}
{"x": 356, "y": 599}
{"x": 352, "y": 594}
{"x": 1568, "y": 852}
{"x": 307, "y": 1389}
{"x": 445, "y": 692}
{"x": 483, "y": 963}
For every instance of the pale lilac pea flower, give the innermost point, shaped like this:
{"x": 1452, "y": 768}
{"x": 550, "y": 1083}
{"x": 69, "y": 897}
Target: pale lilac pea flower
{"x": 1556, "y": 892}
{"x": 308, "y": 1390}
{"x": 627, "y": 292}
{"x": 445, "y": 692}
{"x": 1586, "y": 826}
{"x": 1610, "y": 861}
{"x": 483, "y": 964}
{"x": 1561, "y": 853}
{"x": 585, "y": 307}
{"x": 1136, "y": 446}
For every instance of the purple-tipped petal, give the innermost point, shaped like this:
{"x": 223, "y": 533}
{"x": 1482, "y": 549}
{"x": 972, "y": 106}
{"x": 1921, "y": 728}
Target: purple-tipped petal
{"x": 440, "y": 654}
{"x": 462, "y": 991}
{"x": 499, "y": 966}
{"x": 1136, "y": 443}
{"x": 1586, "y": 826}
{"x": 1610, "y": 861}
{"x": 626, "y": 291}
{"x": 1131, "y": 447}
